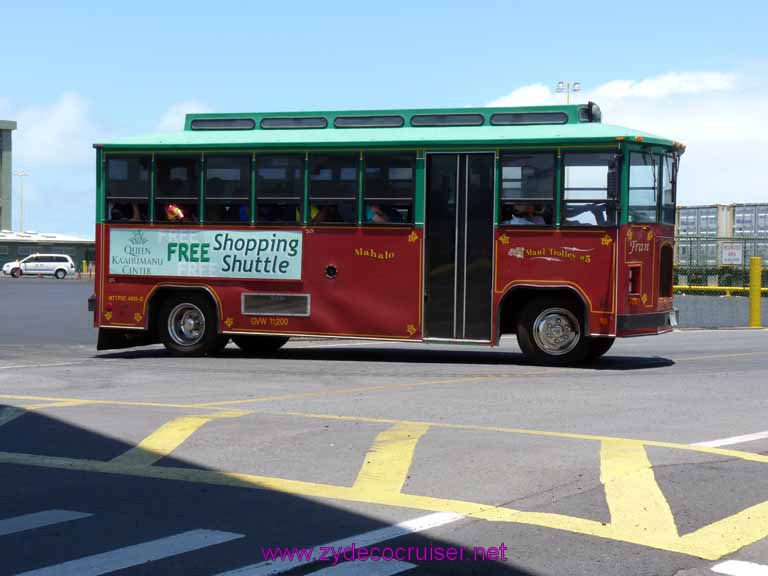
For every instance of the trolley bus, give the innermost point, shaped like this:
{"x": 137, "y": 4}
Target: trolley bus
{"x": 428, "y": 225}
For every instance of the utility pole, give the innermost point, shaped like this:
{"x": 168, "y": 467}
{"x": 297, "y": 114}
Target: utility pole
{"x": 21, "y": 174}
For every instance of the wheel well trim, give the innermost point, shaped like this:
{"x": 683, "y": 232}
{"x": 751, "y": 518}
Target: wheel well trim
{"x": 186, "y": 288}
{"x": 543, "y": 288}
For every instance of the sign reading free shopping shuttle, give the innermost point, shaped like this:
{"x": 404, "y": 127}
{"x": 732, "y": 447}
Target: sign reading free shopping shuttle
{"x": 257, "y": 254}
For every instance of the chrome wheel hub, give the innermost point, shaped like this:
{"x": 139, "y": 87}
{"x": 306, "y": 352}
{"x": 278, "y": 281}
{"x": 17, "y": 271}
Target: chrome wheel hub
{"x": 556, "y": 331}
{"x": 186, "y": 324}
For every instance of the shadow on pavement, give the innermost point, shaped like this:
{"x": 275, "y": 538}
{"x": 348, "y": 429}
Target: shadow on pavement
{"x": 48, "y": 463}
{"x": 407, "y": 354}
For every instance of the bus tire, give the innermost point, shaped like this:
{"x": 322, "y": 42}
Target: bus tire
{"x": 550, "y": 332}
{"x": 259, "y": 344}
{"x": 596, "y": 347}
{"x": 188, "y": 325}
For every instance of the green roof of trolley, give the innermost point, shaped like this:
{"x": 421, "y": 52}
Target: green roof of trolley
{"x": 575, "y": 130}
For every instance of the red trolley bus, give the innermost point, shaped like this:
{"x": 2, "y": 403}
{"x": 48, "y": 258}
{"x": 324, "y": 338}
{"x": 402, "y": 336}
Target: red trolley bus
{"x": 439, "y": 225}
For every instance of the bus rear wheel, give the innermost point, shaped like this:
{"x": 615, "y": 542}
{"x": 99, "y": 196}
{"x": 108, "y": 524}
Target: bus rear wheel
{"x": 550, "y": 332}
{"x": 188, "y": 325}
{"x": 596, "y": 347}
{"x": 259, "y": 344}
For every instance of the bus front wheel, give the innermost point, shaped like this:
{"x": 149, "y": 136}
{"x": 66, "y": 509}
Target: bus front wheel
{"x": 259, "y": 344}
{"x": 188, "y": 325}
{"x": 550, "y": 332}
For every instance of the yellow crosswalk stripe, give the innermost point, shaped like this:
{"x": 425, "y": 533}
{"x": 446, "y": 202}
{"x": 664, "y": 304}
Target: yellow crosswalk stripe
{"x": 167, "y": 438}
{"x": 637, "y": 505}
{"x": 386, "y": 464}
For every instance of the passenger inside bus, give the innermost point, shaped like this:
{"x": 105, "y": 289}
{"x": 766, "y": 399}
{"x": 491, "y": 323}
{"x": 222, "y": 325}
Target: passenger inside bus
{"x": 525, "y": 214}
{"x": 176, "y": 212}
{"x": 126, "y": 210}
{"x": 227, "y": 212}
{"x": 324, "y": 213}
{"x": 380, "y": 214}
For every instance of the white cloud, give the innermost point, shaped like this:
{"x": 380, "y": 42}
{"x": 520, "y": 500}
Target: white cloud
{"x": 60, "y": 133}
{"x": 722, "y": 118}
{"x": 173, "y": 119}
{"x": 53, "y": 143}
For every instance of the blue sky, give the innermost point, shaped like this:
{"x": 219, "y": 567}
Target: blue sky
{"x": 78, "y": 72}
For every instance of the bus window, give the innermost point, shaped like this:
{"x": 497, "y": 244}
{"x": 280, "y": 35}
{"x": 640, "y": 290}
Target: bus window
{"x": 128, "y": 189}
{"x": 668, "y": 190}
{"x": 333, "y": 188}
{"x": 643, "y": 186}
{"x": 388, "y": 188}
{"x": 527, "y": 189}
{"x": 586, "y": 201}
{"x": 279, "y": 189}
{"x": 228, "y": 188}
{"x": 177, "y": 199}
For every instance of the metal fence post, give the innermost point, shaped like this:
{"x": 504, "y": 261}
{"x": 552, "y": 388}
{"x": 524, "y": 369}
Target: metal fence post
{"x": 755, "y": 283}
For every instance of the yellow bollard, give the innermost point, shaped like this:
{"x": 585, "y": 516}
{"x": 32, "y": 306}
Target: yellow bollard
{"x": 755, "y": 281}
{"x": 85, "y": 267}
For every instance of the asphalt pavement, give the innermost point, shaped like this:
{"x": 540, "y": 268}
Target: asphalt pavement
{"x": 652, "y": 461}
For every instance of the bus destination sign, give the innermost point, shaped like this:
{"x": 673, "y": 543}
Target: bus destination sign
{"x": 257, "y": 254}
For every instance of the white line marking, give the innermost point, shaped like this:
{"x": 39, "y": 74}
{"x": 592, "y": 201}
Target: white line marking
{"x": 733, "y": 440}
{"x": 19, "y": 366}
{"x": 138, "y": 554}
{"x": 382, "y": 534}
{"x": 364, "y": 568}
{"x": 38, "y": 520}
{"x": 740, "y": 568}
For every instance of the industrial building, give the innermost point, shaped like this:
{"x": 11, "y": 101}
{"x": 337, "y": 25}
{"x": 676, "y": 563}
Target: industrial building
{"x": 6, "y": 126}
{"x": 703, "y": 232}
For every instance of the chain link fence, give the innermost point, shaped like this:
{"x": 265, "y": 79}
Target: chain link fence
{"x": 714, "y": 266}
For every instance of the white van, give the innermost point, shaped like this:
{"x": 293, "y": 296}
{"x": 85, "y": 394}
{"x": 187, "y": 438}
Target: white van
{"x": 58, "y": 265}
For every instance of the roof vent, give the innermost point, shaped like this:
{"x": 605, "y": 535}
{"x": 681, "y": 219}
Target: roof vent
{"x": 369, "y": 121}
{"x": 527, "y": 118}
{"x": 447, "y": 120}
{"x": 222, "y": 124}
{"x": 294, "y": 122}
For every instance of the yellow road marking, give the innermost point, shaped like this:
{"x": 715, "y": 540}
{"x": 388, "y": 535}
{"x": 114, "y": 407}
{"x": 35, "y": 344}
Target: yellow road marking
{"x": 729, "y": 355}
{"x": 628, "y": 477}
{"x": 387, "y": 463}
{"x": 93, "y": 402}
{"x": 167, "y": 438}
{"x": 59, "y": 404}
{"x": 639, "y": 511}
{"x": 330, "y": 392}
{"x": 10, "y": 413}
{"x": 711, "y": 542}
{"x": 375, "y": 388}
{"x": 289, "y": 396}
{"x": 749, "y": 456}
